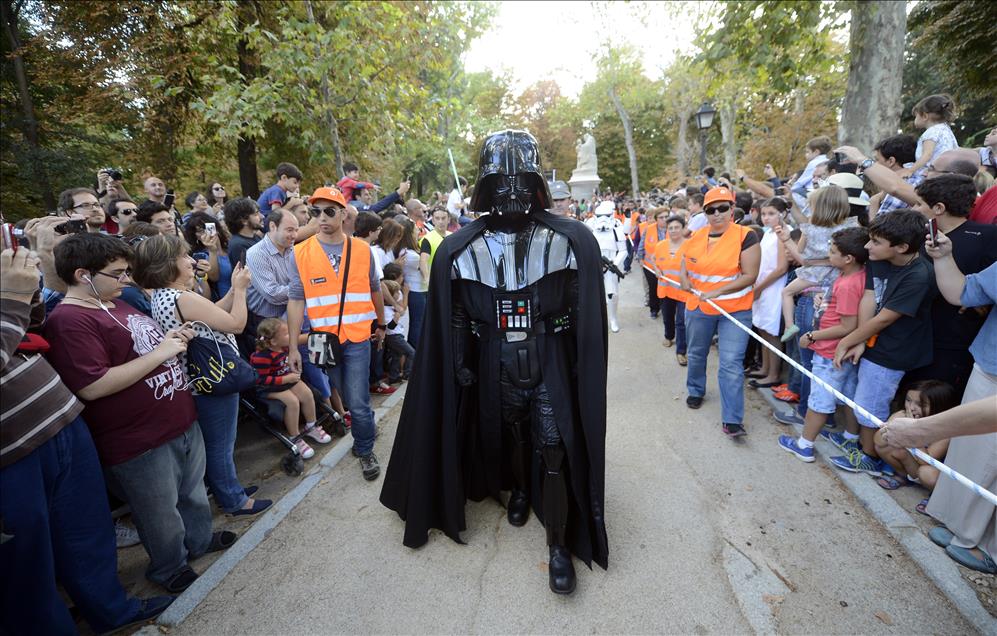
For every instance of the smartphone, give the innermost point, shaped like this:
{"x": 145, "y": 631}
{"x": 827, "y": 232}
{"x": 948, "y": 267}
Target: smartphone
{"x": 200, "y": 255}
{"x": 209, "y": 229}
{"x": 169, "y": 199}
{"x": 72, "y": 226}
{"x": 9, "y": 240}
{"x": 839, "y": 158}
{"x": 933, "y": 231}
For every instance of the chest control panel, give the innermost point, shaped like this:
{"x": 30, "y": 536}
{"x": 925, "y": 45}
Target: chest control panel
{"x": 513, "y": 312}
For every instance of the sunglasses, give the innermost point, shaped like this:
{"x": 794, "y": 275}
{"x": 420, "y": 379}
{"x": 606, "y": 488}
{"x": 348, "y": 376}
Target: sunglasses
{"x": 720, "y": 209}
{"x": 127, "y": 211}
{"x": 330, "y": 212}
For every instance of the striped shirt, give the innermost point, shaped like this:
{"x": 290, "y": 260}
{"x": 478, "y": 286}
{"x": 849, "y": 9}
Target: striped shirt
{"x": 267, "y": 294}
{"x": 271, "y": 366}
{"x": 36, "y": 404}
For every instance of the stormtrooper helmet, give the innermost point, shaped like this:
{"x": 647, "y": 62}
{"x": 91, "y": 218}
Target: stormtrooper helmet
{"x": 606, "y": 208}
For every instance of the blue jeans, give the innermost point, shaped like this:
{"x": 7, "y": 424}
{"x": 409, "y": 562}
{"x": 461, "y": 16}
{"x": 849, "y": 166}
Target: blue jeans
{"x": 350, "y": 379}
{"x": 416, "y": 310}
{"x": 54, "y": 504}
{"x": 218, "y": 416}
{"x": 673, "y": 314}
{"x": 700, "y": 328}
{"x": 395, "y": 346}
{"x": 164, "y": 487}
{"x": 803, "y": 316}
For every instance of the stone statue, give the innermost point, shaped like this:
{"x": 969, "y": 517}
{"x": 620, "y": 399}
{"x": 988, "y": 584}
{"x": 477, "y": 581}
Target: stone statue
{"x": 588, "y": 164}
{"x": 584, "y": 180}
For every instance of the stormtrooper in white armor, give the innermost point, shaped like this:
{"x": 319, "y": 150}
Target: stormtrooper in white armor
{"x": 612, "y": 238}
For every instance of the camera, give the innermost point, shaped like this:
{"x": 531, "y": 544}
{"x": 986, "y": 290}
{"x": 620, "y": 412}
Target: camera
{"x": 72, "y": 226}
{"x": 10, "y": 234}
{"x": 114, "y": 173}
{"x": 209, "y": 229}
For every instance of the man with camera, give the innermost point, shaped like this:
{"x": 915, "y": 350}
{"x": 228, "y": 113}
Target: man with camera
{"x": 81, "y": 204}
{"x": 334, "y": 276}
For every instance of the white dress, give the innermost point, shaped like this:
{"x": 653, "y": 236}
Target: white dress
{"x": 766, "y": 311}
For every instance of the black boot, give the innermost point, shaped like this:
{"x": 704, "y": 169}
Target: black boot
{"x": 561, "y": 570}
{"x": 519, "y": 500}
{"x": 555, "y": 509}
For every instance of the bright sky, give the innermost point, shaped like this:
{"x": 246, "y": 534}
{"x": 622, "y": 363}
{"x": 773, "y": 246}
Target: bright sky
{"x": 531, "y": 41}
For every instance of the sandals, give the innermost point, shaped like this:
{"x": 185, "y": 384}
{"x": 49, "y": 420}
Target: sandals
{"x": 682, "y": 359}
{"x": 922, "y": 507}
{"x": 892, "y": 483}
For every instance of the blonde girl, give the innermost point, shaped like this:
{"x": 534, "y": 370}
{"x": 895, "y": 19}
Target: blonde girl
{"x": 829, "y": 213}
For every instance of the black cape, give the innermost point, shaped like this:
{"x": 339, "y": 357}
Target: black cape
{"x": 438, "y": 461}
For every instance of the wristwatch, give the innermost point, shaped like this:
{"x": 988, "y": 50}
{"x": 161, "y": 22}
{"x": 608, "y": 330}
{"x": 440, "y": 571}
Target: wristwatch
{"x": 865, "y": 164}
{"x": 382, "y": 326}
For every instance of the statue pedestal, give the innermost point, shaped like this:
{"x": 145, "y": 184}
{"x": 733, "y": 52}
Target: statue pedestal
{"x": 583, "y": 186}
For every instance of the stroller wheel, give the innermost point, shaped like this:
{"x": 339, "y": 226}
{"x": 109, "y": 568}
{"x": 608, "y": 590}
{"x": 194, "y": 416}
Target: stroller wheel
{"x": 292, "y": 464}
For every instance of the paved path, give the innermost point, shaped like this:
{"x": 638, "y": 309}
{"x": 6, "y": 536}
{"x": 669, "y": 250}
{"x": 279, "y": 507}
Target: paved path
{"x": 706, "y": 536}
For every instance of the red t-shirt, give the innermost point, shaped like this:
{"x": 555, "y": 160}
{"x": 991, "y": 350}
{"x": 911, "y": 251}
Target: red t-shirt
{"x": 846, "y": 294}
{"x": 86, "y": 343}
{"x": 985, "y": 208}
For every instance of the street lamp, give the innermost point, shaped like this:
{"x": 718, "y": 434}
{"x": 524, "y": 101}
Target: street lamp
{"x": 704, "y": 119}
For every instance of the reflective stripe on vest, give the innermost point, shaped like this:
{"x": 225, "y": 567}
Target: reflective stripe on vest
{"x": 670, "y": 266}
{"x": 323, "y": 287}
{"x": 710, "y": 267}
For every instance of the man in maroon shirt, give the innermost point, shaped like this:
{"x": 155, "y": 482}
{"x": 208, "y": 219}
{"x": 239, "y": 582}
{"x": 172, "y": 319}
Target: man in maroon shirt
{"x": 138, "y": 407}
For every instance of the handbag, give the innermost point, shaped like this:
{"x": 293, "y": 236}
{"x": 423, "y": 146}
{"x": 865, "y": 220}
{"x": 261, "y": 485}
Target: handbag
{"x": 215, "y": 369}
{"x": 324, "y": 348}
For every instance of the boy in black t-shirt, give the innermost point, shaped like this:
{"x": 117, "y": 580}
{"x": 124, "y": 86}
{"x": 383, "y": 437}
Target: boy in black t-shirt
{"x": 894, "y": 323}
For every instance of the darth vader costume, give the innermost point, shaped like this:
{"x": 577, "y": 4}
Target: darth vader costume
{"x": 508, "y": 391}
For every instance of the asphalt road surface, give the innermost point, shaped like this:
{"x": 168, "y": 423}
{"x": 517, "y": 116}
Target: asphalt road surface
{"x": 706, "y": 535}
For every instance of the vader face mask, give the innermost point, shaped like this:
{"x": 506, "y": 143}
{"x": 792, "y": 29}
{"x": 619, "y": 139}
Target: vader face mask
{"x": 512, "y": 194}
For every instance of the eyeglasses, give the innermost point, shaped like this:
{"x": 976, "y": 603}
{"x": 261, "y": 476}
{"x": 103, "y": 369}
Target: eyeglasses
{"x": 122, "y": 277}
{"x": 135, "y": 240}
{"x": 720, "y": 209}
{"x": 127, "y": 211}
{"x": 86, "y": 206}
{"x": 330, "y": 212}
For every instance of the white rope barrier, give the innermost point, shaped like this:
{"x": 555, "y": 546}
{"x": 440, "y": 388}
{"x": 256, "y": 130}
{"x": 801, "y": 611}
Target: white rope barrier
{"x": 916, "y": 452}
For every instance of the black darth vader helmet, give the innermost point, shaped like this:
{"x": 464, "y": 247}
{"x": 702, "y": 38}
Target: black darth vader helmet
{"x": 510, "y": 179}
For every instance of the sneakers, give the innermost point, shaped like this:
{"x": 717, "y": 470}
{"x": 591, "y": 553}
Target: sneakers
{"x": 369, "y": 466}
{"x": 306, "y": 451}
{"x": 791, "y": 331}
{"x": 839, "y": 440}
{"x": 318, "y": 434}
{"x": 779, "y": 388}
{"x": 788, "y": 443}
{"x": 787, "y": 396}
{"x": 694, "y": 402}
{"x": 668, "y": 342}
{"x": 125, "y": 535}
{"x": 382, "y": 389}
{"x": 734, "y": 430}
{"x": 858, "y": 462}
{"x": 789, "y": 418}
{"x": 181, "y": 580}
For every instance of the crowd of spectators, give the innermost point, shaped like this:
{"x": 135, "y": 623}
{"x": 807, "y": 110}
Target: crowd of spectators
{"x": 103, "y": 401}
{"x": 837, "y": 266}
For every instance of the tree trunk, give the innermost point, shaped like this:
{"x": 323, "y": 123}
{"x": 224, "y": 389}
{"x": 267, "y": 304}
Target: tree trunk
{"x": 682, "y": 143}
{"x": 872, "y": 104}
{"x": 330, "y": 117}
{"x": 628, "y": 135}
{"x": 27, "y": 104}
{"x": 249, "y": 179}
{"x": 728, "y": 119}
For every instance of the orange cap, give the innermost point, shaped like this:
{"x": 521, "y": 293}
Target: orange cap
{"x": 718, "y": 194}
{"x": 328, "y": 194}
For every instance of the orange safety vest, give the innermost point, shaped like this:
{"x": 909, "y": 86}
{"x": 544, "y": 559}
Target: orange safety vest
{"x": 323, "y": 286}
{"x": 669, "y": 266}
{"x": 649, "y": 232}
{"x": 634, "y": 225}
{"x": 712, "y": 266}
